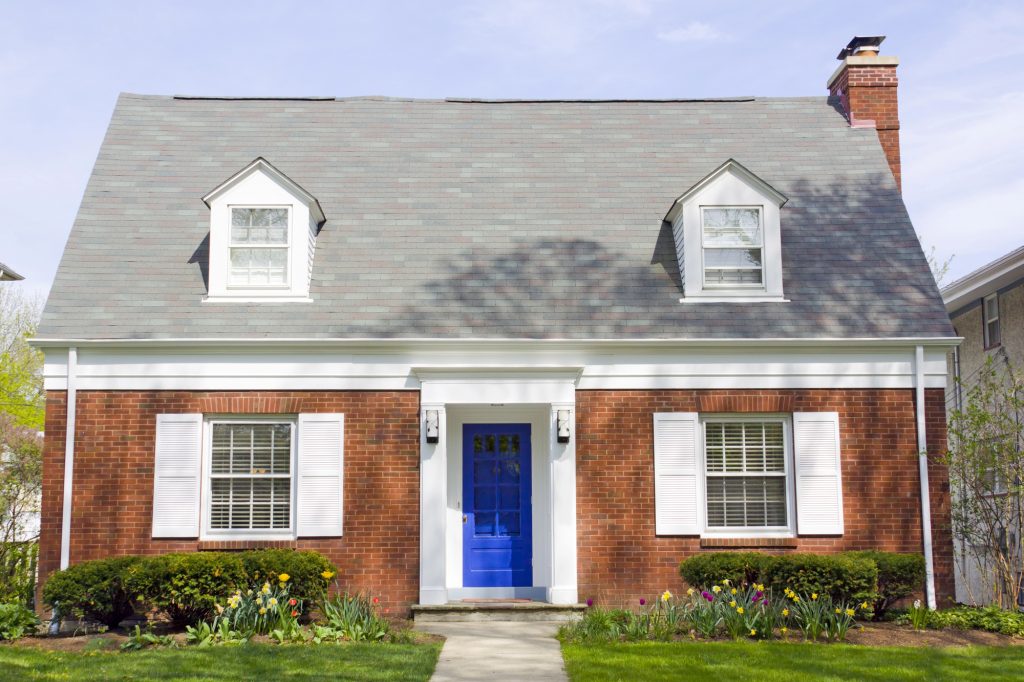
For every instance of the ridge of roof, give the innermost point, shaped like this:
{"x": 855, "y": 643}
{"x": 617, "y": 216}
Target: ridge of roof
{"x": 481, "y": 100}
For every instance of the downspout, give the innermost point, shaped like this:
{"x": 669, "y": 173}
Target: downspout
{"x": 69, "y": 459}
{"x": 922, "y": 463}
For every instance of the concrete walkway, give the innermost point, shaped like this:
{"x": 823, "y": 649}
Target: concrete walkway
{"x": 498, "y": 650}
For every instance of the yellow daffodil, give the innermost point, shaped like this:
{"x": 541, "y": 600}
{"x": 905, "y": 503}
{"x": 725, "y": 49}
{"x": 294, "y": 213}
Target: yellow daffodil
{"x": 726, "y": 582}
{"x": 262, "y": 611}
{"x": 850, "y": 612}
{"x": 759, "y": 587}
{"x": 666, "y": 595}
{"x": 273, "y": 601}
{"x": 796, "y": 599}
{"x": 814, "y": 596}
{"x": 716, "y": 589}
{"x": 732, "y": 591}
{"x": 785, "y": 612}
{"x": 784, "y": 630}
{"x": 733, "y": 603}
{"x": 837, "y": 609}
{"x": 689, "y": 592}
{"x": 753, "y": 632}
{"x": 266, "y": 588}
{"x": 327, "y": 575}
{"x": 283, "y": 577}
{"x": 220, "y": 609}
{"x": 740, "y": 610}
{"x": 864, "y": 605}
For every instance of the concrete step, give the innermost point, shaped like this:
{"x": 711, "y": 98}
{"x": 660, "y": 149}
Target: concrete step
{"x": 482, "y": 611}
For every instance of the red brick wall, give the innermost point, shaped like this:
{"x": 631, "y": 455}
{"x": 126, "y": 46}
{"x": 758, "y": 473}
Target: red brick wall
{"x": 113, "y": 486}
{"x": 620, "y": 558}
{"x": 870, "y": 93}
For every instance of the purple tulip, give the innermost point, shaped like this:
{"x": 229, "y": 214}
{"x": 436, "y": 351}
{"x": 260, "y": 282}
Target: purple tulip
{"x": 642, "y": 601}
{"x": 758, "y": 596}
{"x": 590, "y": 602}
{"x": 707, "y": 595}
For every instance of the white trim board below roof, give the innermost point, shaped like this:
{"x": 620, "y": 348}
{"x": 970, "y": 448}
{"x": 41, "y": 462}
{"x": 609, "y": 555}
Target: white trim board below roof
{"x": 984, "y": 281}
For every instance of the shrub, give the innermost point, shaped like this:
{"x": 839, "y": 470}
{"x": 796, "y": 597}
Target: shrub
{"x": 353, "y": 617}
{"x": 990, "y": 618}
{"x": 16, "y": 620}
{"x": 843, "y": 578}
{"x": 187, "y": 586}
{"x": 304, "y": 569}
{"x": 92, "y": 590}
{"x": 705, "y": 570}
{"x": 899, "y": 576}
{"x": 18, "y": 571}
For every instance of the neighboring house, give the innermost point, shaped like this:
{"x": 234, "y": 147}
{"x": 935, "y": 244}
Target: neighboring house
{"x": 987, "y": 310}
{"x": 492, "y": 348}
{"x": 8, "y": 275}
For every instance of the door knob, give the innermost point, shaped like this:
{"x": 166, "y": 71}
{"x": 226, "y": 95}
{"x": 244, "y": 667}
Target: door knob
{"x": 465, "y": 518}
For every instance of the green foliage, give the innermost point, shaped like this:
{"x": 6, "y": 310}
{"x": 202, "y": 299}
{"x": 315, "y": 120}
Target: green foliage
{"x": 899, "y": 576}
{"x": 21, "y": 386}
{"x": 186, "y": 586}
{"x": 92, "y": 590}
{"x": 143, "y": 639}
{"x": 262, "y": 610}
{"x": 990, "y": 618}
{"x": 18, "y": 571}
{"x": 845, "y": 578}
{"x": 596, "y": 625}
{"x": 918, "y": 614}
{"x": 219, "y": 632}
{"x": 354, "y": 618}
{"x": 16, "y": 621}
{"x": 304, "y": 569}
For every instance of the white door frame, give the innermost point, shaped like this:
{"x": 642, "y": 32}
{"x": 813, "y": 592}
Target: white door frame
{"x": 500, "y": 395}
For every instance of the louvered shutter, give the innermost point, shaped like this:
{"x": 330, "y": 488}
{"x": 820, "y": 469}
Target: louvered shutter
{"x": 676, "y": 483}
{"x": 177, "y": 475}
{"x": 819, "y": 486}
{"x": 320, "y": 480}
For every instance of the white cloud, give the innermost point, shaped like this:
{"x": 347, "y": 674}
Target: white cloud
{"x": 694, "y": 32}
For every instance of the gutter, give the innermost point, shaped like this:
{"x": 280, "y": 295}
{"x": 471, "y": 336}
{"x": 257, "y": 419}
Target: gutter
{"x": 69, "y": 459}
{"x": 922, "y": 463}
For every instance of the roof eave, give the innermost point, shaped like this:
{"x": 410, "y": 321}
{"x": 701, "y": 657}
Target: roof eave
{"x": 739, "y": 169}
{"x": 987, "y": 279}
{"x": 260, "y": 163}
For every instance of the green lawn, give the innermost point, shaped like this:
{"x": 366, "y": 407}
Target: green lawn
{"x": 264, "y": 663}
{"x": 723, "y": 661}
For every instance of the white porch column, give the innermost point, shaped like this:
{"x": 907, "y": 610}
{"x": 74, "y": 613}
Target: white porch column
{"x": 433, "y": 508}
{"x": 563, "y": 510}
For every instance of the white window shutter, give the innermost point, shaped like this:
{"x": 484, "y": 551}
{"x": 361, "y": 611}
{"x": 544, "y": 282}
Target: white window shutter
{"x": 320, "y": 475}
{"x": 676, "y": 482}
{"x": 177, "y": 475}
{"x": 819, "y": 485}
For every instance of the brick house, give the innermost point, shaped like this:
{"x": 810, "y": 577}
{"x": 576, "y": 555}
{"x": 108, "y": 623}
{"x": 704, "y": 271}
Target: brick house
{"x": 477, "y": 348}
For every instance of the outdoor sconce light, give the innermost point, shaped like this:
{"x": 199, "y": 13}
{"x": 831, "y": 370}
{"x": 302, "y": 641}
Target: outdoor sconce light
{"x": 563, "y": 426}
{"x": 432, "y": 430}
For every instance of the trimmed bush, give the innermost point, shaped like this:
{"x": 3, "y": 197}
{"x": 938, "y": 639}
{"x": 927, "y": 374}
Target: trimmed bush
{"x": 92, "y": 590}
{"x": 899, "y": 576}
{"x": 16, "y": 621}
{"x": 304, "y": 569}
{"x": 187, "y": 586}
{"x": 844, "y": 578}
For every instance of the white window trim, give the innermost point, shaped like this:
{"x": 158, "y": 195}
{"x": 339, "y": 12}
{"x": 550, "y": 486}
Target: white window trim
{"x": 287, "y": 246}
{"x": 206, "y": 532}
{"x": 745, "y": 532}
{"x": 746, "y": 287}
{"x": 986, "y": 321}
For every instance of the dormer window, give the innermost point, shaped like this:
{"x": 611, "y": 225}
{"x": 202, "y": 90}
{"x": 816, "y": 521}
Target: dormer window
{"x": 259, "y": 247}
{"x": 728, "y": 238}
{"x": 263, "y": 232}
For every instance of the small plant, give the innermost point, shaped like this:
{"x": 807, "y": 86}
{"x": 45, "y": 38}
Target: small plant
{"x": 353, "y": 616}
{"x": 262, "y": 610}
{"x": 143, "y": 639}
{"x": 839, "y": 622}
{"x": 597, "y": 624}
{"x": 16, "y": 621}
{"x": 211, "y": 634}
{"x": 918, "y": 615}
{"x": 702, "y": 615}
{"x": 809, "y": 612}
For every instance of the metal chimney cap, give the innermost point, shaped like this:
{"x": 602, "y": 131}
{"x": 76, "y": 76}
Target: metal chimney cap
{"x": 860, "y": 44}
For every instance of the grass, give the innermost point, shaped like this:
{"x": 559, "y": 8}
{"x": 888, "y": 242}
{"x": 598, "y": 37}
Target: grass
{"x": 788, "y": 662}
{"x": 357, "y": 662}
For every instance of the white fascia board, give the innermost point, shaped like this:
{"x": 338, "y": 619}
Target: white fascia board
{"x": 261, "y": 164}
{"x": 984, "y": 281}
{"x": 739, "y": 169}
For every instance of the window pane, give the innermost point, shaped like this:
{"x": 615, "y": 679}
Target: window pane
{"x": 732, "y": 258}
{"x": 991, "y": 308}
{"x": 243, "y": 496}
{"x": 747, "y": 501}
{"x": 741, "y": 448}
{"x": 259, "y": 225}
{"x": 732, "y": 227}
{"x": 259, "y": 266}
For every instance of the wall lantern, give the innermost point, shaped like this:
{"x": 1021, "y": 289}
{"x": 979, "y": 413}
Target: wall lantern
{"x": 432, "y": 429}
{"x": 563, "y": 426}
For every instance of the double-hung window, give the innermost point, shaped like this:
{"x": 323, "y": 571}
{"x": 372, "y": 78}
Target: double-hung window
{"x": 251, "y": 465}
{"x": 258, "y": 250}
{"x": 990, "y": 311}
{"x": 746, "y": 474}
{"x": 733, "y": 247}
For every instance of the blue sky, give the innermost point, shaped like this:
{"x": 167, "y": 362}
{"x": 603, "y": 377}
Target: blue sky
{"x": 961, "y": 93}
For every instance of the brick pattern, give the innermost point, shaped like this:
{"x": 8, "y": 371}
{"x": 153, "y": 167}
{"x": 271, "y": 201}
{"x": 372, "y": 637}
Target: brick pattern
{"x": 113, "y": 489}
{"x": 870, "y": 95}
{"x": 620, "y": 557}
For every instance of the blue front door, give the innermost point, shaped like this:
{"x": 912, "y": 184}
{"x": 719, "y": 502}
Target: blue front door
{"x": 497, "y": 544}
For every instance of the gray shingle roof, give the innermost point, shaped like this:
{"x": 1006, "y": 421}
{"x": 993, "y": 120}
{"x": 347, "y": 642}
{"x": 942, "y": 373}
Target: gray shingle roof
{"x": 490, "y": 219}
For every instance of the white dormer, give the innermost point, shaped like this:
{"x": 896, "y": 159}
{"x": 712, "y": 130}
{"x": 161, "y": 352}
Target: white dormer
{"x": 263, "y": 229}
{"x": 728, "y": 237}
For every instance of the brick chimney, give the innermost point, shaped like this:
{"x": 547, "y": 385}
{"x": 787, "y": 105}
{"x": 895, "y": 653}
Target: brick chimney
{"x": 865, "y": 84}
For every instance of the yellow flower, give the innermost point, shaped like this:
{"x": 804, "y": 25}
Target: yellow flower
{"x": 814, "y": 596}
{"x": 733, "y": 603}
{"x": 666, "y": 595}
{"x": 732, "y": 591}
{"x": 273, "y": 601}
{"x": 283, "y": 577}
{"x": 864, "y": 605}
{"x": 740, "y": 610}
{"x": 220, "y": 609}
{"x": 689, "y": 592}
{"x": 759, "y": 587}
{"x": 753, "y": 632}
{"x": 725, "y": 582}
{"x": 785, "y": 612}
{"x": 327, "y": 575}
{"x": 716, "y": 589}
{"x": 784, "y": 630}
{"x": 850, "y": 612}
{"x": 266, "y": 588}
{"x": 837, "y": 609}
{"x": 795, "y": 599}
{"x": 262, "y": 611}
